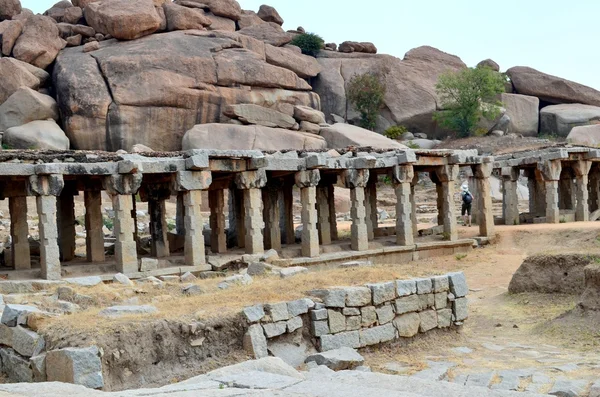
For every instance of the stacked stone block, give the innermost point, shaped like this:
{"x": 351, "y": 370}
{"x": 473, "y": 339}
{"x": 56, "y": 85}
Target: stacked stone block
{"x": 363, "y": 316}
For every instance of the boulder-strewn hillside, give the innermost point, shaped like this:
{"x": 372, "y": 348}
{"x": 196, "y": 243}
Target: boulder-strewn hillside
{"x": 109, "y": 74}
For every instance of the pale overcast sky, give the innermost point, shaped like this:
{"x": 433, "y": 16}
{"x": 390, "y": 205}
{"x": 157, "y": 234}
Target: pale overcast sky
{"x": 553, "y": 36}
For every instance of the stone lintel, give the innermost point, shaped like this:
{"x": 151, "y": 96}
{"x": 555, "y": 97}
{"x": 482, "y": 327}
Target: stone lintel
{"x": 550, "y": 170}
{"x": 593, "y": 154}
{"x": 447, "y": 173}
{"x": 129, "y": 167}
{"x": 483, "y": 170}
{"x": 251, "y": 179}
{"x": 197, "y": 162}
{"x": 581, "y": 167}
{"x": 403, "y": 173}
{"x": 308, "y": 178}
{"x": 352, "y": 178}
{"x": 45, "y": 185}
{"x": 123, "y": 184}
{"x": 317, "y": 160}
{"x": 258, "y": 162}
{"x": 192, "y": 180}
{"x": 47, "y": 169}
{"x": 510, "y": 173}
{"x": 407, "y": 156}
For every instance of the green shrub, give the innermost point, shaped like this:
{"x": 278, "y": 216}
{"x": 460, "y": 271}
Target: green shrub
{"x": 366, "y": 93}
{"x": 108, "y": 222}
{"x": 395, "y": 132}
{"x": 309, "y": 43}
{"x": 412, "y": 145}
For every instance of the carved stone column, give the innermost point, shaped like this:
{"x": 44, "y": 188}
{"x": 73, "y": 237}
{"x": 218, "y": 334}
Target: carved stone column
{"x": 482, "y": 173}
{"x": 307, "y": 181}
{"x": 447, "y": 175}
{"x": 356, "y": 181}
{"x": 582, "y": 170}
{"x": 251, "y": 182}
{"x": 510, "y": 198}
{"x": 403, "y": 176}
{"x": 551, "y": 173}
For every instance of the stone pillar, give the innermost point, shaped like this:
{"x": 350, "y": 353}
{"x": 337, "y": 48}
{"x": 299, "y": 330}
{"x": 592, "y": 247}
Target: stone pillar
{"x": 403, "y": 176}
{"x": 218, "y": 238}
{"x": 594, "y": 189}
{"x": 94, "y": 237}
{"x": 307, "y": 181}
{"x": 510, "y": 198}
{"x": 251, "y": 182}
{"x": 47, "y": 188}
{"x": 532, "y": 188}
{"x": 474, "y": 189}
{"x": 566, "y": 192}
{"x": 323, "y": 225}
{"x": 551, "y": 173}
{"x": 19, "y": 231}
{"x": 540, "y": 194}
{"x": 66, "y": 225}
{"x": 270, "y": 196}
{"x": 371, "y": 206}
{"x": 447, "y": 175}
{"x": 288, "y": 214}
{"x": 122, "y": 189}
{"x": 159, "y": 230}
{"x": 240, "y": 216}
{"x": 180, "y": 215}
{"x": 439, "y": 197}
{"x": 332, "y": 215}
{"x": 582, "y": 170}
{"x": 356, "y": 181}
{"x": 413, "y": 204}
{"x": 482, "y": 173}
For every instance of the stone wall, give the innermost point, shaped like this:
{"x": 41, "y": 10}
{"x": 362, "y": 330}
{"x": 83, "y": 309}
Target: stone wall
{"x": 362, "y": 316}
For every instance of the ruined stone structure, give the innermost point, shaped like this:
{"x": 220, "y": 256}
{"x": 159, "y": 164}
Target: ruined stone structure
{"x": 259, "y": 183}
{"x": 564, "y": 184}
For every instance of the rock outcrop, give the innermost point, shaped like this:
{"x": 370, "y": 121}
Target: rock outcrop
{"x": 269, "y": 14}
{"x": 343, "y": 135}
{"x": 9, "y": 8}
{"x": 39, "y": 43}
{"x": 588, "y": 135}
{"x": 410, "y": 99}
{"x": 123, "y": 19}
{"x": 43, "y": 134}
{"x": 551, "y": 89}
{"x": 559, "y": 120}
{"x": 15, "y": 74}
{"x": 26, "y": 105}
{"x": 523, "y": 112}
{"x": 489, "y": 63}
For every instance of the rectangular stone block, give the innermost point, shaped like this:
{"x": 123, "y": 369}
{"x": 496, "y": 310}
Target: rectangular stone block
{"x": 358, "y": 296}
{"x": 294, "y": 323}
{"x": 80, "y": 366}
{"x": 26, "y": 342}
{"x": 444, "y": 318}
{"x": 424, "y": 286}
{"x": 6, "y": 335}
{"x": 376, "y": 335}
{"x": 255, "y": 341}
{"x": 16, "y": 368}
{"x": 331, "y": 297}
{"x": 337, "y": 321}
{"x": 383, "y": 292}
{"x": 385, "y": 314}
{"x": 275, "y": 329}
{"x": 277, "y": 311}
{"x": 38, "y": 366}
{"x": 458, "y": 284}
{"x": 408, "y": 304}
{"x": 254, "y": 313}
{"x": 351, "y": 311}
{"x": 353, "y": 323}
{"x": 344, "y": 339}
{"x": 320, "y": 314}
{"x": 368, "y": 316}
{"x": 440, "y": 284}
{"x": 460, "y": 308}
{"x": 298, "y": 307}
{"x": 406, "y": 287}
{"x": 441, "y": 300}
{"x": 429, "y": 320}
{"x": 407, "y": 324}
{"x": 320, "y": 328}
{"x": 426, "y": 301}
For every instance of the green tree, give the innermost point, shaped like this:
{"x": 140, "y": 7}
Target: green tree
{"x": 309, "y": 43}
{"x": 467, "y": 96}
{"x": 366, "y": 93}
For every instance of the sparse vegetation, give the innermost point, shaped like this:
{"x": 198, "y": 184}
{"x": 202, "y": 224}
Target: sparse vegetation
{"x": 309, "y": 43}
{"x": 366, "y": 93}
{"x": 460, "y": 257}
{"x": 108, "y": 222}
{"x": 395, "y": 132}
{"x": 412, "y": 145}
{"x": 468, "y": 96}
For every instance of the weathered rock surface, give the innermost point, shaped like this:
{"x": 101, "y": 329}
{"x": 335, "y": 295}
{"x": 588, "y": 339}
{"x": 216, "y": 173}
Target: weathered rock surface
{"x": 244, "y": 137}
{"x": 523, "y": 111}
{"x": 305, "y": 113}
{"x": 249, "y": 18}
{"x": 180, "y": 79}
{"x": 15, "y": 74}
{"x": 183, "y": 18}
{"x": 552, "y": 89}
{"x": 9, "y": 8}
{"x": 303, "y": 65}
{"x": 410, "y": 99}
{"x": 39, "y": 134}
{"x": 588, "y": 135}
{"x": 353, "y": 46}
{"x": 269, "y": 14}
{"x": 489, "y": 63}
{"x": 220, "y": 23}
{"x": 9, "y": 31}
{"x": 258, "y": 115}
{"x": 123, "y": 19}
{"x": 560, "y": 119}
{"x": 80, "y": 366}
{"x": 343, "y": 135}
{"x": 338, "y": 359}
{"x": 39, "y": 43}
{"x": 224, "y": 8}
{"x": 550, "y": 274}
{"x": 26, "y": 105}
{"x": 269, "y": 32}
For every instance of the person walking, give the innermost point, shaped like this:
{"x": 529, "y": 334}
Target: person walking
{"x": 467, "y": 201}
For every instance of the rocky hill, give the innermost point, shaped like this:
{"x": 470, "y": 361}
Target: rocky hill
{"x": 110, "y": 74}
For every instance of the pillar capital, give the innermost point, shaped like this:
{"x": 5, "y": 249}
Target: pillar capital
{"x": 483, "y": 170}
{"x": 582, "y": 167}
{"x": 45, "y": 185}
{"x": 353, "y": 178}
{"x": 191, "y": 180}
{"x": 403, "y": 173}
{"x": 447, "y": 173}
{"x": 510, "y": 173}
{"x": 123, "y": 184}
{"x": 550, "y": 169}
{"x": 308, "y": 178}
{"x": 251, "y": 179}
